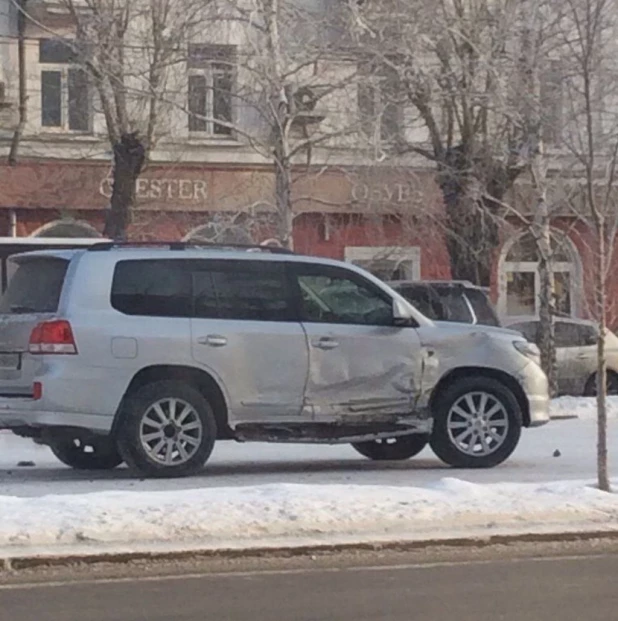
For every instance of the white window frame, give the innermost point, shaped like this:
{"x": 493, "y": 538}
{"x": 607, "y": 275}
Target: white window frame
{"x": 63, "y": 69}
{"x": 399, "y": 254}
{"x": 533, "y": 267}
{"x": 208, "y": 72}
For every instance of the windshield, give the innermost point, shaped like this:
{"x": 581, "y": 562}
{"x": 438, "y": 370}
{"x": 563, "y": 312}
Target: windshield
{"x": 35, "y": 286}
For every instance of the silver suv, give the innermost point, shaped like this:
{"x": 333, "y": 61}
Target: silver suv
{"x": 148, "y": 354}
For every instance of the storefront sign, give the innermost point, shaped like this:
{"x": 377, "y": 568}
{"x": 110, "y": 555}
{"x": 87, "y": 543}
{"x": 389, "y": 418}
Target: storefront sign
{"x": 382, "y": 192}
{"x": 164, "y": 189}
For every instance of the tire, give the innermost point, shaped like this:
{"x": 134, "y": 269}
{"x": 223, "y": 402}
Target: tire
{"x": 477, "y": 444}
{"x": 393, "y": 449}
{"x": 94, "y": 454}
{"x": 172, "y": 440}
{"x": 591, "y": 385}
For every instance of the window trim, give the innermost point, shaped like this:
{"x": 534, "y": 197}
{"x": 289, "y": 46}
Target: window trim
{"x": 232, "y": 265}
{"x": 298, "y": 269}
{"x": 397, "y": 254}
{"x": 64, "y": 128}
{"x": 209, "y": 71}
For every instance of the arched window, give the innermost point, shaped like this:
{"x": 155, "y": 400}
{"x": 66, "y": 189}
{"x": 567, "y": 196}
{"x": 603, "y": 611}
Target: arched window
{"x": 519, "y": 282}
{"x": 67, "y": 228}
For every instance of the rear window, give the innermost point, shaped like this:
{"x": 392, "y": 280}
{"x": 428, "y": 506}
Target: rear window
{"x": 152, "y": 288}
{"x": 482, "y": 307}
{"x": 35, "y": 287}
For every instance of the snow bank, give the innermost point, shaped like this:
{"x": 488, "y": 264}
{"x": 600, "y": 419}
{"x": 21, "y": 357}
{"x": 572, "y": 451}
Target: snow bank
{"x": 282, "y": 514}
{"x": 584, "y": 408}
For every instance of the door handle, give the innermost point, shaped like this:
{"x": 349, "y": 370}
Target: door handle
{"x": 582, "y": 356}
{"x": 214, "y": 340}
{"x": 325, "y": 342}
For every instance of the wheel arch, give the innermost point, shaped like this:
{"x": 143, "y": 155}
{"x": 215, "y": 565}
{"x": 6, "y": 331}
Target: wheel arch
{"x": 504, "y": 378}
{"x": 198, "y": 378}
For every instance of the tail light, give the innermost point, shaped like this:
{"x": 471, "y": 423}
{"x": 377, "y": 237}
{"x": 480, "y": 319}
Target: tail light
{"x": 52, "y": 337}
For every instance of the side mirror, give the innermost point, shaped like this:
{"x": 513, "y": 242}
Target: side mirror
{"x": 402, "y": 315}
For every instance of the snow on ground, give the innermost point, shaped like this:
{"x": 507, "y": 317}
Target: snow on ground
{"x": 583, "y": 408}
{"x": 277, "y": 514}
{"x": 269, "y": 494}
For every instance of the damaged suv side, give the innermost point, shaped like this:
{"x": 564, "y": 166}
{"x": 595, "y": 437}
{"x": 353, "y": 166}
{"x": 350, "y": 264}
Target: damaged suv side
{"x": 148, "y": 355}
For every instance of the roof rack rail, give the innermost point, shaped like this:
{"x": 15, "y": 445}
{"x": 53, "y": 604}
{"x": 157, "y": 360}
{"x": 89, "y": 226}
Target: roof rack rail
{"x": 179, "y": 245}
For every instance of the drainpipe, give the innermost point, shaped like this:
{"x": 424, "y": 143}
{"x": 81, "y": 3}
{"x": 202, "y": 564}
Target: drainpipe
{"x": 12, "y": 223}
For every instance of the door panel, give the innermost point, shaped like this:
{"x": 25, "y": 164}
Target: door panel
{"x": 244, "y": 330}
{"x": 361, "y": 366}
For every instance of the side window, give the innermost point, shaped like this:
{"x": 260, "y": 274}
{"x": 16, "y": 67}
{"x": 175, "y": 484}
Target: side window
{"x": 570, "y": 334}
{"x": 152, "y": 288}
{"x": 330, "y": 296}
{"x": 424, "y": 300}
{"x": 246, "y": 290}
{"x": 483, "y": 309}
{"x": 586, "y": 336}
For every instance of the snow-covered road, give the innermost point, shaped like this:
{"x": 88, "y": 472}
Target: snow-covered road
{"x": 234, "y": 464}
{"x": 263, "y": 495}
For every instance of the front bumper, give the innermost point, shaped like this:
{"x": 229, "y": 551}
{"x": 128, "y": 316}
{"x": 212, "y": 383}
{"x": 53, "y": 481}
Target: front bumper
{"x": 536, "y": 387}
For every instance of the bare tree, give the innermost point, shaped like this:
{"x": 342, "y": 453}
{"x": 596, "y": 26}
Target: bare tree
{"x": 467, "y": 83}
{"x": 128, "y": 50}
{"x": 286, "y": 96}
{"x": 588, "y": 28}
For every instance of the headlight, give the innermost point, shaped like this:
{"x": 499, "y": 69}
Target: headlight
{"x": 530, "y": 350}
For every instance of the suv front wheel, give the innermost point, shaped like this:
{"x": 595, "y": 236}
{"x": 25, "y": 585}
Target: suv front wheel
{"x": 477, "y": 423}
{"x": 168, "y": 429}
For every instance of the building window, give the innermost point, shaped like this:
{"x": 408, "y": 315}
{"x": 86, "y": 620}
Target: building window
{"x": 520, "y": 284}
{"x": 387, "y": 263}
{"x": 379, "y": 104}
{"x": 210, "y": 88}
{"x": 65, "y": 93}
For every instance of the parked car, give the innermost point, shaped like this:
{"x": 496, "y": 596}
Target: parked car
{"x": 149, "y": 354}
{"x": 449, "y": 300}
{"x": 576, "y": 354}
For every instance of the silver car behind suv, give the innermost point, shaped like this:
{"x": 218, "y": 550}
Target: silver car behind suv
{"x": 149, "y": 354}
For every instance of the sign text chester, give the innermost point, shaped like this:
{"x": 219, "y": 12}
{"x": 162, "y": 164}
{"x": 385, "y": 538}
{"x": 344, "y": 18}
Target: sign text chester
{"x": 164, "y": 189}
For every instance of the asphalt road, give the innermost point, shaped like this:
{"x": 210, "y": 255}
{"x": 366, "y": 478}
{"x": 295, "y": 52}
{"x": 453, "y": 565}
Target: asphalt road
{"x": 568, "y": 588}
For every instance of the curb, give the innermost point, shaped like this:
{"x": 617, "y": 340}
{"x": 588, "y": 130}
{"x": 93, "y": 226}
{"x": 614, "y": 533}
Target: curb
{"x": 20, "y": 562}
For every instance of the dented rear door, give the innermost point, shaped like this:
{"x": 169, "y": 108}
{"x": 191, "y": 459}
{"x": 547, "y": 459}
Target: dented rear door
{"x": 361, "y": 366}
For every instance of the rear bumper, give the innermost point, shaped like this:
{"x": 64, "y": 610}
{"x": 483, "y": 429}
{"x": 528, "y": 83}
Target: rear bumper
{"x": 19, "y": 412}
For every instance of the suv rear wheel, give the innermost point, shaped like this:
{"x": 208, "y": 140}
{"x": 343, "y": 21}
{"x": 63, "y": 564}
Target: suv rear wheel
{"x": 477, "y": 423}
{"x": 168, "y": 429}
{"x": 393, "y": 449}
{"x": 92, "y": 454}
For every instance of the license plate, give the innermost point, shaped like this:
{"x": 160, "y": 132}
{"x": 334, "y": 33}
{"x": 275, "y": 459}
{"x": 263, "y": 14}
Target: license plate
{"x": 9, "y": 361}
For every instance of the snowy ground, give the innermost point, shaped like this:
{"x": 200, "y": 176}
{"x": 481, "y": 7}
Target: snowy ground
{"x": 255, "y": 494}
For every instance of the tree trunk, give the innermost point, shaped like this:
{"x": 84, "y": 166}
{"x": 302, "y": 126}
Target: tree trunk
{"x": 23, "y": 88}
{"x": 129, "y": 154}
{"x": 542, "y": 234}
{"x": 283, "y": 194}
{"x": 602, "y": 465}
